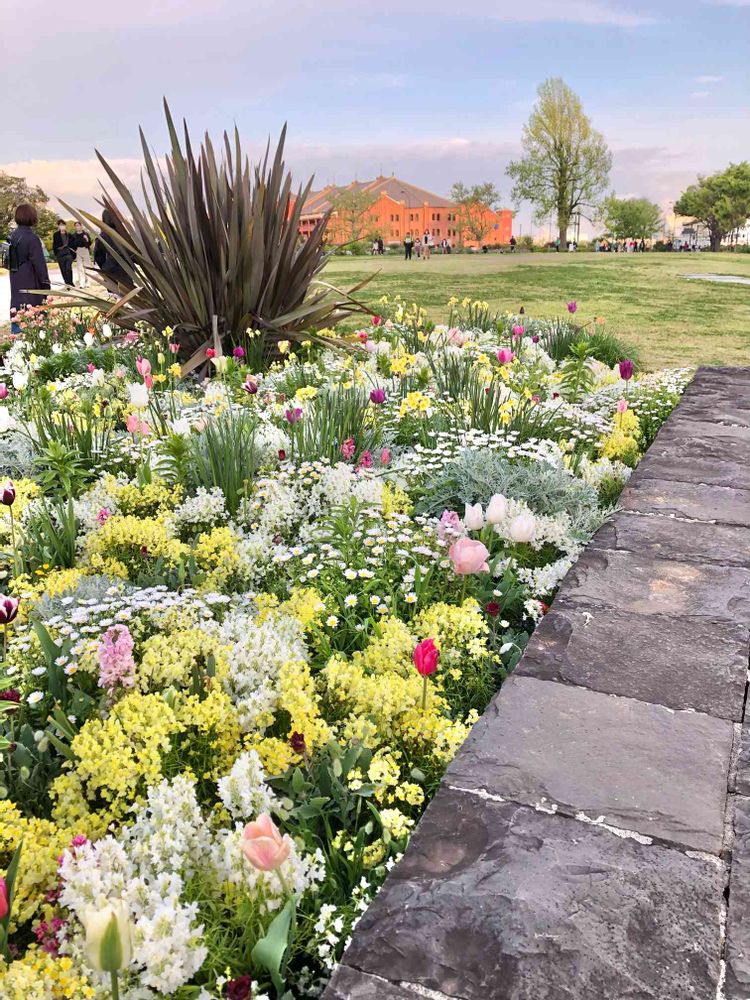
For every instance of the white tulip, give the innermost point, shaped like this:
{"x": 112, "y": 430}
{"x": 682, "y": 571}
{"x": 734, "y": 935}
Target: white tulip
{"x": 106, "y": 331}
{"x": 20, "y": 380}
{"x": 5, "y": 419}
{"x": 108, "y": 946}
{"x": 473, "y": 517}
{"x": 88, "y": 338}
{"x": 497, "y": 509}
{"x": 522, "y": 528}
{"x": 138, "y": 393}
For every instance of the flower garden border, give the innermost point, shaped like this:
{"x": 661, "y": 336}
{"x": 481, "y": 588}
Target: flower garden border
{"x": 592, "y": 837}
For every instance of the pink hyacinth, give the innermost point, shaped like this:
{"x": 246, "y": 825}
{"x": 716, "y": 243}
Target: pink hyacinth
{"x": 450, "y": 524}
{"x": 347, "y": 449}
{"x": 517, "y": 331}
{"x": 385, "y": 456}
{"x": 116, "y": 663}
{"x": 365, "y": 460}
{"x": 103, "y": 515}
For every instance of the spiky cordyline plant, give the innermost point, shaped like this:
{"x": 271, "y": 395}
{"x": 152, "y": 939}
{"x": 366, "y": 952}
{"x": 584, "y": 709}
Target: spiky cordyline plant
{"x": 215, "y": 250}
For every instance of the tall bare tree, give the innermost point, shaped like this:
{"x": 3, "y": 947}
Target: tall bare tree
{"x": 566, "y": 162}
{"x": 475, "y": 207}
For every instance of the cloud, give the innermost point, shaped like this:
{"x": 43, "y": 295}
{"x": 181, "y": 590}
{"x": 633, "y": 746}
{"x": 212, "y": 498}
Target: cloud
{"x": 708, "y": 79}
{"x": 698, "y": 95}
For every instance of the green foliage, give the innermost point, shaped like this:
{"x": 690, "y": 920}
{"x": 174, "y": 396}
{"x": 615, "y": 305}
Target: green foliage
{"x": 566, "y": 163}
{"x": 333, "y": 417}
{"x": 215, "y": 247}
{"x": 631, "y": 218}
{"x": 577, "y": 373}
{"x": 223, "y": 454}
{"x": 49, "y": 536}
{"x": 351, "y": 207}
{"x": 15, "y": 191}
{"x": 721, "y": 201}
{"x": 475, "y": 204}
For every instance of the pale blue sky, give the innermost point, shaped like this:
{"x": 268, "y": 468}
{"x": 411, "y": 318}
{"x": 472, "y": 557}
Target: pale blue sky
{"x": 432, "y": 90}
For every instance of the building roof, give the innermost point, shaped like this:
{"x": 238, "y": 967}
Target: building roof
{"x": 319, "y": 202}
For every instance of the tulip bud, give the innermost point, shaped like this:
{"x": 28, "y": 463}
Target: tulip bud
{"x": 3, "y": 390}
{"x": 3, "y": 899}
{"x": 425, "y": 657}
{"x": 377, "y": 396}
{"x": 108, "y": 946}
{"x": 473, "y": 517}
{"x": 522, "y": 528}
{"x": 8, "y": 494}
{"x": 626, "y": 369}
{"x": 8, "y": 609}
{"x": 263, "y": 845}
{"x": 497, "y": 509}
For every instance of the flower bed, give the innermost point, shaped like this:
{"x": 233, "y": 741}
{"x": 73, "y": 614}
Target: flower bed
{"x": 249, "y": 620}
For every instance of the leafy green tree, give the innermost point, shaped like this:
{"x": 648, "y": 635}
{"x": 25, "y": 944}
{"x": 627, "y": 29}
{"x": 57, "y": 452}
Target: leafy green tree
{"x": 631, "y": 218}
{"x": 15, "y": 191}
{"x": 475, "y": 205}
{"x": 566, "y": 162}
{"x": 721, "y": 201}
{"x": 352, "y": 206}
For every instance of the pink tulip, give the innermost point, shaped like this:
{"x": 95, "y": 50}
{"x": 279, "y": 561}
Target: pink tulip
{"x": 3, "y": 390}
{"x": 143, "y": 366}
{"x": 263, "y": 845}
{"x": 517, "y": 331}
{"x": 468, "y": 556}
{"x": 133, "y": 423}
{"x": 3, "y": 899}
{"x": 505, "y": 355}
{"x": 425, "y": 657}
{"x": 622, "y": 405}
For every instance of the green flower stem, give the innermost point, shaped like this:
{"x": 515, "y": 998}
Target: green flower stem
{"x": 115, "y": 986}
{"x": 424, "y": 693}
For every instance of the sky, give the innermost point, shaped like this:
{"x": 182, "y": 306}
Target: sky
{"x": 432, "y": 90}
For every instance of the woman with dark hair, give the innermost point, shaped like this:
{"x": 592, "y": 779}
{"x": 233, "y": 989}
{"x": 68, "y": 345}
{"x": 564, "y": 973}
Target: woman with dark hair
{"x": 28, "y": 268}
{"x": 107, "y": 263}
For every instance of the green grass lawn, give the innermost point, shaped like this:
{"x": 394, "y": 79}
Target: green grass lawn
{"x": 644, "y": 297}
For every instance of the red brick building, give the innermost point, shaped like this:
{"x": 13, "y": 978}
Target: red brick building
{"x": 400, "y": 208}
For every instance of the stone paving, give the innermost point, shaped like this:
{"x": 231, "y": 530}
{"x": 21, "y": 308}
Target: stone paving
{"x": 591, "y": 840}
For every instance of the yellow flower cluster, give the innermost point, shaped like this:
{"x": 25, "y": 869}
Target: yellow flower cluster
{"x": 459, "y": 629}
{"x": 217, "y": 553}
{"x": 39, "y": 976}
{"x": 622, "y": 443}
{"x": 394, "y": 500}
{"x": 415, "y": 403}
{"x": 298, "y": 698}
{"x": 148, "y": 500}
{"x": 214, "y": 733}
{"x": 118, "y": 757}
{"x": 120, "y": 545}
{"x": 169, "y": 658}
{"x": 43, "y": 842}
{"x": 306, "y": 605}
{"x": 403, "y": 364}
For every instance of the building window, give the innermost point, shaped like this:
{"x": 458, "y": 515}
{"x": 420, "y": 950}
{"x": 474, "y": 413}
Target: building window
{"x": 437, "y": 216}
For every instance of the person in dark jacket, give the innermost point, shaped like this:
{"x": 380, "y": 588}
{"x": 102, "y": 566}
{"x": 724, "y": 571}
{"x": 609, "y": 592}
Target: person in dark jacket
{"x": 28, "y": 266}
{"x": 104, "y": 259}
{"x": 64, "y": 251}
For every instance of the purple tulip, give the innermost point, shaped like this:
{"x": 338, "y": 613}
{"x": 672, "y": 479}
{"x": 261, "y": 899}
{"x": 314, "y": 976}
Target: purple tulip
{"x": 293, "y": 416}
{"x": 572, "y": 306}
{"x": 535, "y": 339}
{"x": 8, "y": 494}
{"x": 377, "y": 396}
{"x": 3, "y": 390}
{"x": 238, "y": 352}
{"x": 8, "y": 609}
{"x": 249, "y": 386}
{"x": 626, "y": 369}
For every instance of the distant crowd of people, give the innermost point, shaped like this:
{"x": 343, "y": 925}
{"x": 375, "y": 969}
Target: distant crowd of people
{"x": 27, "y": 264}
{"x": 620, "y": 246}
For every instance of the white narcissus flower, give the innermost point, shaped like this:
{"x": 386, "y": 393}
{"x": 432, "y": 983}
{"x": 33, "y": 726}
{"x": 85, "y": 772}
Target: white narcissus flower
{"x": 138, "y": 395}
{"x": 473, "y": 517}
{"x": 497, "y": 509}
{"x": 522, "y": 528}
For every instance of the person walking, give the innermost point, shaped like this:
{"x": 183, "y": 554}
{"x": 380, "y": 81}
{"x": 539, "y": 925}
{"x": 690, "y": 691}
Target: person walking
{"x": 408, "y": 246}
{"x": 82, "y": 245}
{"x": 426, "y": 245}
{"x": 105, "y": 260}
{"x": 62, "y": 248}
{"x": 512, "y": 244}
{"x": 418, "y": 247}
{"x": 28, "y": 268}
{"x": 643, "y": 245}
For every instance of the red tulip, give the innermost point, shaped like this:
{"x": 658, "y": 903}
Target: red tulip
{"x": 425, "y": 657}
